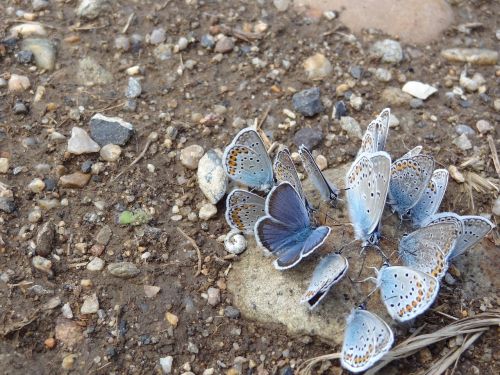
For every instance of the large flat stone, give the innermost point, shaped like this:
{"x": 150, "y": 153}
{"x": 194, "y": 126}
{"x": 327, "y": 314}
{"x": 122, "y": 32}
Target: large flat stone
{"x": 267, "y": 295}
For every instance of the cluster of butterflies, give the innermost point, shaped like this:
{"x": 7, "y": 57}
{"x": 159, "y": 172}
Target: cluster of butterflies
{"x": 283, "y": 224}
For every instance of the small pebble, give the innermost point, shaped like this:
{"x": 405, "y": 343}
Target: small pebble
{"x": 24, "y": 57}
{"x": 90, "y": 304}
{"x": 317, "y": 67}
{"x": 81, "y": 143}
{"x": 151, "y": 290}
{"x": 471, "y": 55}
{"x": 75, "y": 180}
{"x": 207, "y": 41}
{"x": 66, "y": 311}
{"x": 4, "y": 165}
{"x": 20, "y": 108}
{"x": 213, "y": 296}
{"x": 456, "y": 174}
{"x": 388, "y": 50}
{"x": 157, "y": 36}
{"x": 496, "y": 207}
{"x": 207, "y": 211}
{"x": 42, "y": 264}
{"x": 321, "y": 162}
{"x": 308, "y": 102}
{"x": 114, "y": 130}
{"x": 383, "y": 75}
{"x": 166, "y": 364}
{"x": 212, "y": 178}
{"x": 224, "y": 45}
{"x": 356, "y": 102}
{"x": 309, "y": 137}
{"x": 172, "y": 319}
{"x": 339, "y": 110}
{"x": 18, "y": 83}
{"x": 351, "y": 126}
{"x": 36, "y": 185}
{"x": 123, "y": 270}
{"x": 96, "y": 264}
{"x": 122, "y": 43}
{"x": 134, "y": 88}
{"x": 50, "y": 343}
{"x": 68, "y": 361}
{"x": 482, "y": 126}
{"x": 463, "y": 143}
{"x": 110, "y": 152}
{"x": 416, "y": 103}
{"x": 35, "y": 215}
{"x": 418, "y": 89}
{"x": 231, "y": 312}
{"x": 191, "y": 155}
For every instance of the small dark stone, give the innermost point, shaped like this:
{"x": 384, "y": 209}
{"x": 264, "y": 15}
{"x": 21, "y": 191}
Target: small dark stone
{"x": 286, "y": 371}
{"x": 308, "y": 137}
{"x": 7, "y": 205}
{"x": 111, "y": 352}
{"x": 24, "y": 57}
{"x": 86, "y": 166}
{"x": 464, "y": 129}
{"x": 356, "y": 71}
{"x": 339, "y": 110}
{"x": 464, "y": 103}
{"x": 232, "y": 312}
{"x": 20, "y": 108}
{"x": 105, "y": 130}
{"x": 416, "y": 103}
{"x": 130, "y": 105}
{"x": 484, "y": 98}
{"x": 50, "y": 184}
{"x": 145, "y": 339}
{"x": 308, "y": 102}
{"x": 207, "y": 41}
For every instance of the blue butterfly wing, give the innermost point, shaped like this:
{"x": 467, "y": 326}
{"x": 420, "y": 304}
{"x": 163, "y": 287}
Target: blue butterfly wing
{"x": 243, "y": 209}
{"x": 431, "y": 199}
{"x": 475, "y": 228}
{"x": 284, "y": 204}
{"x": 409, "y": 179}
{"x": 327, "y": 191}
{"x": 285, "y": 171}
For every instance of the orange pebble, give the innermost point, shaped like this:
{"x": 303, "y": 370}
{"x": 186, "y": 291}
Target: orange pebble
{"x": 50, "y": 343}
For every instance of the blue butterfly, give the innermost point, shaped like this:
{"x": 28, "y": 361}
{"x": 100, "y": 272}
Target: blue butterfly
{"x": 367, "y": 183}
{"x": 366, "y": 339}
{"x": 246, "y": 161}
{"x": 375, "y": 135}
{"x": 287, "y": 231}
{"x": 285, "y": 171}
{"x": 329, "y": 271}
{"x": 410, "y": 177}
{"x": 430, "y": 201}
{"x": 243, "y": 209}
{"x": 472, "y": 230}
{"x": 327, "y": 191}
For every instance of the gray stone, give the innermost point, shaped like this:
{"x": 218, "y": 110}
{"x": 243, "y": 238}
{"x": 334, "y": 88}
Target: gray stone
{"x": 416, "y": 103}
{"x": 224, "y": 45}
{"x": 86, "y": 166}
{"x": 163, "y": 52}
{"x": 356, "y": 71}
{"x": 7, "y": 205}
{"x": 192, "y": 348}
{"x": 42, "y": 264}
{"x": 351, "y": 126}
{"x": 157, "y": 36}
{"x": 207, "y": 41}
{"x": 464, "y": 129}
{"x": 463, "y": 143}
{"x": 394, "y": 96}
{"x": 43, "y": 50}
{"x": 134, "y": 88}
{"x": 104, "y": 235}
{"x": 212, "y": 179}
{"x": 232, "y": 312}
{"x": 213, "y": 296}
{"x": 45, "y": 239}
{"x": 96, "y": 265}
{"x": 339, "y": 110}
{"x": 110, "y": 152}
{"x": 308, "y": 102}
{"x": 309, "y": 137}
{"x": 91, "y": 9}
{"x": 484, "y": 126}
{"x": 91, "y": 73}
{"x": 123, "y": 270}
{"x": 20, "y": 108}
{"x": 122, "y": 43}
{"x": 81, "y": 143}
{"x": 166, "y": 364}
{"x": 114, "y": 130}
{"x": 383, "y": 75}
{"x": 24, "y": 57}
{"x": 191, "y": 155}
{"x": 90, "y": 304}
{"x": 388, "y": 51}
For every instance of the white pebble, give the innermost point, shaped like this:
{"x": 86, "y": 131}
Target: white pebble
{"x": 111, "y": 152}
{"x": 322, "y": 162}
{"x": 36, "y": 185}
{"x": 207, "y": 211}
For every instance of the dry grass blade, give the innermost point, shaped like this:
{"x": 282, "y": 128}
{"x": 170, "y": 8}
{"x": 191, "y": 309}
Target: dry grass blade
{"x": 481, "y": 184}
{"x": 494, "y": 154}
{"x": 473, "y": 326}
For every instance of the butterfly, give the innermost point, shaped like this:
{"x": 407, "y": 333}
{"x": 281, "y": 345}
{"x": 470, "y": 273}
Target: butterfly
{"x": 285, "y": 171}
{"x": 427, "y": 249}
{"x": 430, "y": 201}
{"x": 406, "y": 292}
{"x": 246, "y": 161}
{"x": 367, "y": 183}
{"x": 410, "y": 176}
{"x": 473, "y": 230}
{"x": 375, "y": 135}
{"x": 327, "y": 191}
{"x": 366, "y": 339}
{"x": 243, "y": 209}
{"x": 330, "y": 270}
{"x": 286, "y": 230}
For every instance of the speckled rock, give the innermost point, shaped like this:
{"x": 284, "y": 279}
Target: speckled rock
{"x": 191, "y": 155}
{"x": 123, "y": 270}
{"x": 114, "y": 130}
{"x": 212, "y": 179}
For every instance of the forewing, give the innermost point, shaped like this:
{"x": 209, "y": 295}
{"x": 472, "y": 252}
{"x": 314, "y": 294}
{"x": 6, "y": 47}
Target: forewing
{"x": 327, "y": 191}
{"x": 424, "y": 256}
{"x": 243, "y": 209}
{"x": 285, "y": 205}
{"x": 431, "y": 199}
{"x": 475, "y": 228}
{"x": 285, "y": 171}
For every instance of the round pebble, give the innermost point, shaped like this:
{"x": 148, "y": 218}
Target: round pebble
{"x": 207, "y": 211}
{"x": 191, "y": 155}
{"x": 36, "y": 185}
{"x": 110, "y": 152}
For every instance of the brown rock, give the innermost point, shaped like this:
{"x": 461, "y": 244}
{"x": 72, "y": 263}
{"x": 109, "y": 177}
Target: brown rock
{"x": 224, "y": 45}
{"x": 74, "y": 180}
{"x": 45, "y": 239}
{"x": 68, "y": 332}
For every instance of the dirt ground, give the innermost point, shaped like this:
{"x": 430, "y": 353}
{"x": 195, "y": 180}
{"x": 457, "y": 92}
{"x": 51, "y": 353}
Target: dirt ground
{"x": 130, "y": 332}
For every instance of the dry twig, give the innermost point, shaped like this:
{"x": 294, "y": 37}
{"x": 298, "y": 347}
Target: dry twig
{"x": 193, "y": 243}
{"x": 494, "y": 154}
{"x": 151, "y": 138}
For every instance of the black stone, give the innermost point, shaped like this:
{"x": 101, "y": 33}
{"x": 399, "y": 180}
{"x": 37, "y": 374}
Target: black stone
{"x": 308, "y": 102}
{"x": 86, "y": 166}
{"x": 308, "y": 137}
{"x": 20, "y": 108}
{"x": 339, "y": 110}
{"x": 50, "y": 184}
{"x": 107, "y": 130}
